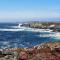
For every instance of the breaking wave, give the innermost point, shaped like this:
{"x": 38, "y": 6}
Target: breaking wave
{"x": 27, "y": 29}
{"x": 55, "y": 35}
{"x": 11, "y": 29}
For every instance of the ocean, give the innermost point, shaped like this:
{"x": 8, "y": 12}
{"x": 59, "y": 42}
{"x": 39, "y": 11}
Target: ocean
{"x": 13, "y": 37}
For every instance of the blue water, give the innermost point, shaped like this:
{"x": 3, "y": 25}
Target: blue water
{"x": 21, "y": 39}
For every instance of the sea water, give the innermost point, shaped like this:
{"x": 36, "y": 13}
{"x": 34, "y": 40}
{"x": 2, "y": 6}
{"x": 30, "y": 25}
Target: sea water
{"x": 13, "y": 37}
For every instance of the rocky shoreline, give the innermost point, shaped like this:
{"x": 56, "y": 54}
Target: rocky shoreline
{"x": 46, "y": 51}
{"x": 44, "y": 25}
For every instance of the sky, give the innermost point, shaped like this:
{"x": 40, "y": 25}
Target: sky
{"x": 15, "y": 10}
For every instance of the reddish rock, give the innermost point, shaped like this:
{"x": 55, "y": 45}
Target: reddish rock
{"x": 23, "y": 55}
{"x": 48, "y": 51}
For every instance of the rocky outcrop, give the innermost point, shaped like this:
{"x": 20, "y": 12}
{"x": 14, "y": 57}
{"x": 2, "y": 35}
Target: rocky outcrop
{"x": 46, "y": 51}
{"x": 44, "y": 25}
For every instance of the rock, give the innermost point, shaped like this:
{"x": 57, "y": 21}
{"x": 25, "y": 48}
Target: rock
{"x": 23, "y": 55}
{"x": 0, "y": 52}
{"x": 47, "y": 51}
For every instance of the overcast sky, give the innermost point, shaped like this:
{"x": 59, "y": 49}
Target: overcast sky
{"x": 15, "y": 10}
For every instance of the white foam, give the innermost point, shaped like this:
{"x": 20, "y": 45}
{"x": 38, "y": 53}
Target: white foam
{"x": 11, "y": 29}
{"x": 55, "y": 35}
{"x": 26, "y": 29}
{"x": 19, "y": 26}
{"x": 39, "y": 30}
